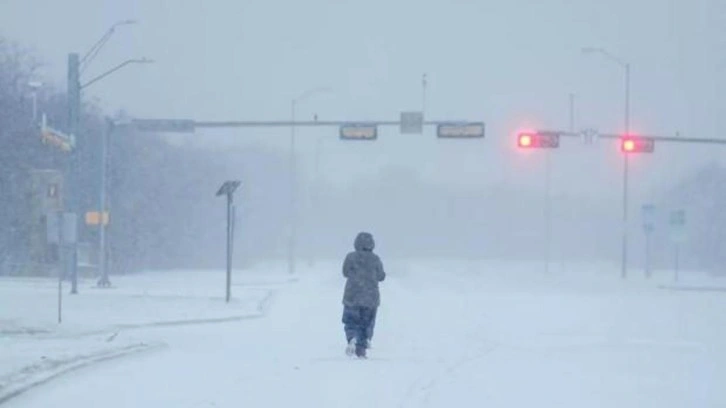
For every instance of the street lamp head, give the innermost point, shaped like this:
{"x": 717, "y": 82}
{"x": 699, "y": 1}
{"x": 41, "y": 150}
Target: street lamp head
{"x": 123, "y": 23}
{"x": 35, "y": 84}
{"x": 310, "y": 92}
{"x": 591, "y": 50}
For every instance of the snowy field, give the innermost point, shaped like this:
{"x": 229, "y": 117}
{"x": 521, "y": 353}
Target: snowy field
{"x": 448, "y": 334}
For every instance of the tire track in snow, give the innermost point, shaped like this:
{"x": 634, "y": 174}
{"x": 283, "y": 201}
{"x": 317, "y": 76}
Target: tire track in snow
{"x": 419, "y": 392}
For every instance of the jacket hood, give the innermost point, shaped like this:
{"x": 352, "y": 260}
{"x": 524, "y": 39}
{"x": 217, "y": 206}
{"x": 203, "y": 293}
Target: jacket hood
{"x": 364, "y": 242}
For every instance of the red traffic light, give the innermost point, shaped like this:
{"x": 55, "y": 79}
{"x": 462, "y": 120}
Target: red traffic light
{"x": 538, "y": 140}
{"x": 636, "y": 144}
{"x": 525, "y": 140}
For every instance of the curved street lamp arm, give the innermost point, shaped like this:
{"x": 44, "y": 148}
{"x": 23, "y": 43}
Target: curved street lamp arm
{"x": 116, "y": 68}
{"x": 93, "y": 52}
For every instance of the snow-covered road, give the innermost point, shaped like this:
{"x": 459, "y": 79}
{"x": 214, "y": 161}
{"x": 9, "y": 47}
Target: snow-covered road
{"x": 485, "y": 335}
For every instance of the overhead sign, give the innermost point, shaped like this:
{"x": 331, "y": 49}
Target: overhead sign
{"x": 678, "y": 225}
{"x": 164, "y": 125}
{"x": 461, "y": 130}
{"x": 61, "y": 228}
{"x": 412, "y": 122}
{"x": 356, "y": 131}
{"x": 649, "y": 217}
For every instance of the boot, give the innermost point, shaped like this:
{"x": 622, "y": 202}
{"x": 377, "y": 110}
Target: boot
{"x": 351, "y": 348}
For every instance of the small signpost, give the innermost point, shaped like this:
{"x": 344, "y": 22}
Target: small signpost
{"x": 61, "y": 229}
{"x": 228, "y": 189}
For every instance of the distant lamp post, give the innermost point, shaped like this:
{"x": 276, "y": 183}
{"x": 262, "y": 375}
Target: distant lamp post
{"x": 228, "y": 189}
{"x": 292, "y": 238}
{"x": 626, "y": 71}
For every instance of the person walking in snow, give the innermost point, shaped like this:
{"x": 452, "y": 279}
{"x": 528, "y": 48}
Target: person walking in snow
{"x": 363, "y": 271}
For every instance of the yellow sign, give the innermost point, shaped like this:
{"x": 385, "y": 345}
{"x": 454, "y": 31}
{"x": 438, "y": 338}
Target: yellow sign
{"x": 94, "y": 218}
{"x": 54, "y": 139}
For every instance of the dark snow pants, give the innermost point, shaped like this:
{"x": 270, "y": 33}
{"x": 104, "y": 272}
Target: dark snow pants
{"x": 359, "y": 323}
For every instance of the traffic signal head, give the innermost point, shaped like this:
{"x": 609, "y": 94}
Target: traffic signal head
{"x": 525, "y": 140}
{"x": 636, "y": 144}
{"x": 538, "y": 140}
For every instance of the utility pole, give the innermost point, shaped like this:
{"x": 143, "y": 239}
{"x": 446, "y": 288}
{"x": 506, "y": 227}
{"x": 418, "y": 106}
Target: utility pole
{"x": 104, "y": 280}
{"x": 72, "y": 189}
{"x": 624, "y": 263}
{"x": 291, "y": 250}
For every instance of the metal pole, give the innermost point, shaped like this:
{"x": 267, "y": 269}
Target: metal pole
{"x": 648, "y": 272}
{"x": 229, "y": 247}
{"x": 677, "y": 261}
{"x": 624, "y": 260}
{"x": 35, "y": 107}
{"x": 60, "y": 294}
{"x": 424, "y": 85}
{"x": 74, "y": 108}
{"x": 104, "y": 279}
{"x": 64, "y": 264}
{"x": 548, "y": 210}
{"x": 624, "y": 270}
{"x": 316, "y": 197}
{"x": 293, "y": 193}
{"x": 572, "y": 112}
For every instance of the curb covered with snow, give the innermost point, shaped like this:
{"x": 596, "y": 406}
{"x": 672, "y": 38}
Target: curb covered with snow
{"x": 101, "y": 326}
{"x": 38, "y": 374}
{"x": 694, "y": 288}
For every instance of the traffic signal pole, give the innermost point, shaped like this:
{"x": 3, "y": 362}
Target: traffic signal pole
{"x": 548, "y": 209}
{"x": 624, "y": 258}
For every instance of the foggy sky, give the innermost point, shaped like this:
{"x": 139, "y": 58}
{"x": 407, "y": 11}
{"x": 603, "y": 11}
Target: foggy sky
{"x": 511, "y": 64}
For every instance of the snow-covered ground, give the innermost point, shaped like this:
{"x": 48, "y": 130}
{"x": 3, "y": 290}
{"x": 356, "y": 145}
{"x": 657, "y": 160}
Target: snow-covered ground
{"x": 449, "y": 333}
{"x": 99, "y": 324}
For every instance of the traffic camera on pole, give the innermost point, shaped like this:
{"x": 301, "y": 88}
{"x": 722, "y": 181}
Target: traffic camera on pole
{"x": 636, "y": 144}
{"x": 538, "y": 140}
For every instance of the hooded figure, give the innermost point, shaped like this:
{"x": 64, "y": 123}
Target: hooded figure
{"x": 363, "y": 270}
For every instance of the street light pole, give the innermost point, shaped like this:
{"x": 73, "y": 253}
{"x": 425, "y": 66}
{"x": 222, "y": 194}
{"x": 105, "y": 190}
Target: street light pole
{"x": 624, "y": 263}
{"x": 292, "y": 239}
{"x": 104, "y": 280}
{"x": 424, "y": 86}
{"x": 626, "y": 68}
{"x": 76, "y": 65}
{"x": 293, "y": 192}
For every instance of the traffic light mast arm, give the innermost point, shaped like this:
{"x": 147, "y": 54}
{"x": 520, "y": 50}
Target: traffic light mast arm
{"x": 657, "y": 138}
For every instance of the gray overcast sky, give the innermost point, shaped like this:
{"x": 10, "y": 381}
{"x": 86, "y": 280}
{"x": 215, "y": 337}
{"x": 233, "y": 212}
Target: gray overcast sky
{"x": 509, "y": 63}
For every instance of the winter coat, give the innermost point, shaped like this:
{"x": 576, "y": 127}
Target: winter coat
{"x": 363, "y": 270}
